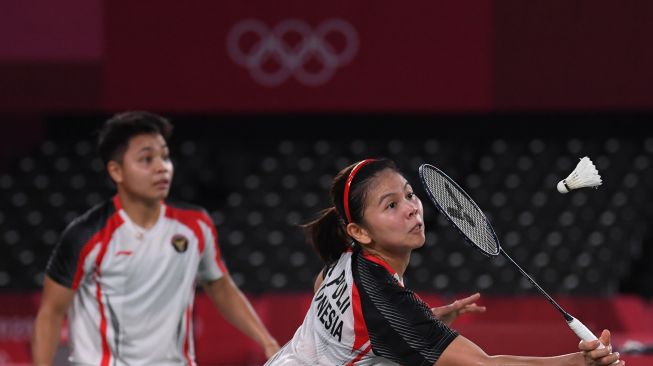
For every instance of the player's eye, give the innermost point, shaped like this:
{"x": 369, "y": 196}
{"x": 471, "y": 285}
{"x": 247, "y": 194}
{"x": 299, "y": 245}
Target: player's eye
{"x": 391, "y": 205}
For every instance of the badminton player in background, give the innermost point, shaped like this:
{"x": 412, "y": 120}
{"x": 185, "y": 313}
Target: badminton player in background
{"x": 125, "y": 271}
{"x": 361, "y": 313}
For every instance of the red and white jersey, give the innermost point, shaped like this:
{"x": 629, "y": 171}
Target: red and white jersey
{"x": 134, "y": 287}
{"x": 363, "y": 315}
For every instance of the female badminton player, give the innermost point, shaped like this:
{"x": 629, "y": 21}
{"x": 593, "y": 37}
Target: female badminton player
{"x": 361, "y": 313}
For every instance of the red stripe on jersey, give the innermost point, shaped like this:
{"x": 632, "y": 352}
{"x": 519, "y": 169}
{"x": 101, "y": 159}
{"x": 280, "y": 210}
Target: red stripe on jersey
{"x": 378, "y": 261}
{"x": 218, "y": 255}
{"x": 187, "y": 338}
{"x": 79, "y": 272}
{"x": 104, "y": 237}
{"x": 106, "y": 353}
{"x": 116, "y": 203}
{"x": 101, "y": 237}
{"x": 360, "y": 328}
{"x": 191, "y": 218}
{"x": 360, "y": 355}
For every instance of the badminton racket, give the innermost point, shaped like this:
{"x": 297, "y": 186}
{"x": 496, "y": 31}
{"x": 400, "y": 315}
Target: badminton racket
{"x": 461, "y": 211}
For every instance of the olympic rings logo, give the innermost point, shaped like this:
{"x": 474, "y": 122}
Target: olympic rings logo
{"x": 291, "y": 59}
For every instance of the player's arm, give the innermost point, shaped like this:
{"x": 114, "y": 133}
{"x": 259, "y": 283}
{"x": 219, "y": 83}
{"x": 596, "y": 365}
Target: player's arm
{"x": 55, "y": 301}
{"x": 235, "y": 307}
{"x": 462, "y": 352}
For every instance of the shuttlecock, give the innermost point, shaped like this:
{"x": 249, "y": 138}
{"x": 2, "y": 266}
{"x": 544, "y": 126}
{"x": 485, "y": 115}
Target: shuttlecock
{"x": 585, "y": 175}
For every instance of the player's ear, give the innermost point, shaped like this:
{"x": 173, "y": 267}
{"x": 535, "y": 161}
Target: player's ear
{"x": 115, "y": 171}
{"x": 359, "y": 233}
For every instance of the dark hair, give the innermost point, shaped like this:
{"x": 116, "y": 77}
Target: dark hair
{"x": 327, "y": 232}
{"x": 114, "y": 136}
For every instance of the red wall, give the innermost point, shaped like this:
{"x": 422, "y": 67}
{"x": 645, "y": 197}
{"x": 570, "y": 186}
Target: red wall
{"x": 559, "y": 54}
{"x": 429, "y": 56}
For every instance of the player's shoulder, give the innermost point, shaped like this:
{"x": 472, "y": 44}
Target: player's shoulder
{"x": 83, "y": 227}
{"x": 178, "y": 209}
{"x": 361, "y": 258}
{"x": 374, "y": 271}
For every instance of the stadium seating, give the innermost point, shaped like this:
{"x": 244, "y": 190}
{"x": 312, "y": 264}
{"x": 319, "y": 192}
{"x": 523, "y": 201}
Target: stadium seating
{"x": 259, "y": 189}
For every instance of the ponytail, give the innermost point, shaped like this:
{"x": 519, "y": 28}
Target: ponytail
{"x": 327, "y": 235}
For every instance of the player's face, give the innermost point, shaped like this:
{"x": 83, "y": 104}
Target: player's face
{"x": 393, "y": 215}
{"x": 146, "y": 169}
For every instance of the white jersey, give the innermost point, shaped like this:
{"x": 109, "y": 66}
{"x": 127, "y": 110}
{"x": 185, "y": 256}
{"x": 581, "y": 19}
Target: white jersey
{"x": 134, "y": 287}
{"x": 362, "y": 315}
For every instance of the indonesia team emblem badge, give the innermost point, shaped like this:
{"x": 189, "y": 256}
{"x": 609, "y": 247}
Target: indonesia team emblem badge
{"x": 180, "y": 243}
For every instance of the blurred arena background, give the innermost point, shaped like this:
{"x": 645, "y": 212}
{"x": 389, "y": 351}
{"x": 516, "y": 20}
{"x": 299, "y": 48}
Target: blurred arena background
{"x": 271, "y": 99}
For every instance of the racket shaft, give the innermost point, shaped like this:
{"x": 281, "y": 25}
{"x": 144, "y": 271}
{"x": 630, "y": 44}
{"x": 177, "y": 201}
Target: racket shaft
{"x": 530, "y": 279}
{"x": 576, "y": 325}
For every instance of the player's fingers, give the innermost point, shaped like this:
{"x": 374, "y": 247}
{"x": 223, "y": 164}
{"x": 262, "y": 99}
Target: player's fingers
{"x": 477, "y": 309}
{"x": 442, "y": 310}
{"x": 473, "y": 308}
{"x": 601, "y": 352}
{"x": 588, "y": 346}
{"x": 609, "y": 359}
{"x": 469, "y": 299}
{"x": 605, "y": 337}
{"x": 457, "y": 305}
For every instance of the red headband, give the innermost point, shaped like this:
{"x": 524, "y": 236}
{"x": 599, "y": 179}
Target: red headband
{"x": 352, "y": 174}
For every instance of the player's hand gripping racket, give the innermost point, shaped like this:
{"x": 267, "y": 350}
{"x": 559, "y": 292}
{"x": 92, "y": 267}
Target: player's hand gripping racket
{"x": 464, "y": 214}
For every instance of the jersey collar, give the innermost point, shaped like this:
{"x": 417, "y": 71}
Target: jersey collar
{"x": 139, "y": 232}
{"x": 383, "y": 264}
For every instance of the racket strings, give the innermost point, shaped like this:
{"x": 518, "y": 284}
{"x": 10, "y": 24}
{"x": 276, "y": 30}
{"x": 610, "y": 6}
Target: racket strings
{"x": 465, "y": 215}
{"x": 460, "y": 210}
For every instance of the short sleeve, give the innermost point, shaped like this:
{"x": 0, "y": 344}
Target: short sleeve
{"x": 62, "y": 264}
{"x": 400, "y": 325}
{"x": 65, "y": 265}
{"x": 211, "y": 266}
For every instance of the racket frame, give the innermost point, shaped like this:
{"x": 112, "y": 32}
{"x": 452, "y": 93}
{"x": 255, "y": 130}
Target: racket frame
{"x": 576, "y": 325}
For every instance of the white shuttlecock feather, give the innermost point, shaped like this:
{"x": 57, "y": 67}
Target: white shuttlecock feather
{"x": 585, "y": 175}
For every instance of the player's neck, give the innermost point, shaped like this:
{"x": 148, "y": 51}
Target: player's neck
{"x": 141, "y": 212}
{"x": 398, "y": 262}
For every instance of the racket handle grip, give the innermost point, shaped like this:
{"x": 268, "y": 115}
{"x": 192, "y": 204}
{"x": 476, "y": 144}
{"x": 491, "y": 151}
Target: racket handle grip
{"x": 583, "y": 332}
